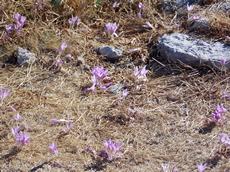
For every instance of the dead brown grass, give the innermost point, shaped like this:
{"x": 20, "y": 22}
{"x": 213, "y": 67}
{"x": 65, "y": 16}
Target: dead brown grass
{"x": 157, "y": 123}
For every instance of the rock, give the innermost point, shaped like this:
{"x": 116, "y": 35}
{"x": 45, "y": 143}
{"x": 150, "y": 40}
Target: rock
{"x": 169, "y": 6}
{"x": 24, "y": 56}
{"x": 181, "y": 3}
{"x": 178, "y": 47}
{"x": 116, "y": 89}
{"x": 111, "y": 53}
{"x": 222, "y": 7}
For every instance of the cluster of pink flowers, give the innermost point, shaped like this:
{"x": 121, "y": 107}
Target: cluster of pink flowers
{"x": 4, "y": 93}
{"x": 218, "y": 114}
{"x": 99, "y": 75}
{"x": 19, "y": 22}
{"x": 111, "y": 151}
{"x": 21, "y": 138}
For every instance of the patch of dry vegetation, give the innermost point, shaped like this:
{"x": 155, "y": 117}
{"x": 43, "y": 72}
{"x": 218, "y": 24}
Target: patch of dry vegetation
{"x": 158, "y": 122}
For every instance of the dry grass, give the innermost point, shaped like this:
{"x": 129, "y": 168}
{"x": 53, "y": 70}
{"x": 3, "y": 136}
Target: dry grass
{"x": 157, "y": 123}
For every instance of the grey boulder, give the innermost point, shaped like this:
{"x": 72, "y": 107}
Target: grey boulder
{"x": 24, "y": 56}
{"x": 223, "y": 7}
{"x": 110, "y": 53}
{"x": 178, "y": 47}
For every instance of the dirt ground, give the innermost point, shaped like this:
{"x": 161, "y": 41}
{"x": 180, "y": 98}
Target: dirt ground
{"x": 162, "y": 121}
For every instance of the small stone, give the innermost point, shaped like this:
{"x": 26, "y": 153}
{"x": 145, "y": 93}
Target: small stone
{"x": 116, "y": 89}
{"x": 111, "y": 53}
{"x": 169, "y": 6}
{"x": 24, "y": 56}
{"x": 178, "y": 47}
{"x": 183, "y": 3}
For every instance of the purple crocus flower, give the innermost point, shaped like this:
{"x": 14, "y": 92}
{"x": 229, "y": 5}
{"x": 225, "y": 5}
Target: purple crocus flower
{"x": 201, "y": 167}
{"x": 10, "y": 28}
{"x": 19, "y": 20}
{"x": 111, "y": 29}
{"x": 15, "y": 131}
{"x": 116, "y": 4}
{"x": 140, "y": 6}
{"x": 140, "y": 73}
{"x": 125, "y": 93}
{"x": 218, "y": 114}
{"x": 99, "y": 72}
{"x": 22, "y": 138}
{"x": 74, "y": 21}
{"x": 226, "y": 95}
{"x": 99, "y": 75}
{"x": 165, "y": 167}
{"x": 63, "y": 46}
{"x": 111, "y": 150}
{"x": 148, "y": 25}
{"x": 4, "y": 93}
{"x": 190, "y": 7}
{"x": 53, "y": 148}
{"x": 17, "y": 117}
{"x": 224, "y": 139}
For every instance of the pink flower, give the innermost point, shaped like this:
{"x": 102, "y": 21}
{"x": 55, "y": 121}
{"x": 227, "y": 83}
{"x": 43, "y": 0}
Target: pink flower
{"x": 201, "y": 167}
{"x": 10, "y": 28}
{"x": 53, "y": 148}
{"x": 190, "y": 7}
{"x": 224, "y": 139}
{"x": 226, "y": 95}
{"x": 54, "y": 121}
{"x": 111, "y": 150}
{"x": 148, "y": 25}
{"x": 140, "y": 73}
{"x": 99, "y": 75}
{"x": 125, "y": 93}
{"x": 17, "y": 117}
{"x": 4, "y": 93}
{"x": 165, "y": 167}
{"x": 74, "y": 21}
{"x": 218, "y": 114}
{"x": 116, "y": 4}
{"x": 140, "y": 6}
{"x": 111, "y": 29}
{"x": 22, "y": 138}
{"x": 20, "y": 21}
{"x": 15, "y": 131}
{"x": 63, "y": 46}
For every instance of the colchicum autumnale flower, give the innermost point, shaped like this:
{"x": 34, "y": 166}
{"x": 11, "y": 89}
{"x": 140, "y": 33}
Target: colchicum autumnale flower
{"x": 111, "y": 29}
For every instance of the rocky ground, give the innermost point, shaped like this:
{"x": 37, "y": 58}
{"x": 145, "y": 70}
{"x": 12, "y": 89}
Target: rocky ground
{"x": 114, "y": 85}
